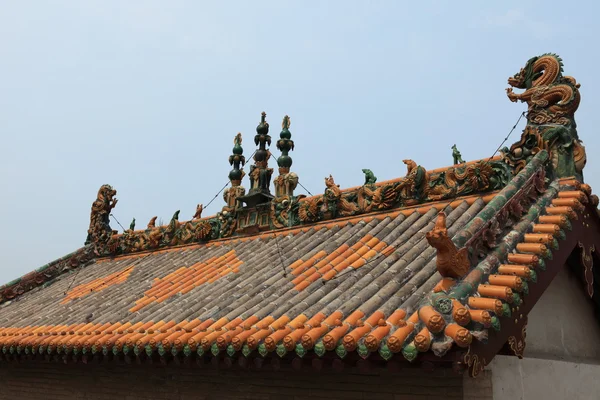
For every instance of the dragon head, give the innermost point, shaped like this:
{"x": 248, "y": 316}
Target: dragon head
{"x": 107, "y": 192}
{"x": 439, "y": 233}
{"x": 330, "y": 183}
{"x": 525, "y": 77}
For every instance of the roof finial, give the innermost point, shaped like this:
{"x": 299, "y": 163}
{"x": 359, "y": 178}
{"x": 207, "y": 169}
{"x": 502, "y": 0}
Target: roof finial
{"x": 286, "y": 182}
{"x": 100, "y": 231}
{"x": 236, "y": 160}
{"x": 260, "y": 173}
{"x": 552, "y": 100}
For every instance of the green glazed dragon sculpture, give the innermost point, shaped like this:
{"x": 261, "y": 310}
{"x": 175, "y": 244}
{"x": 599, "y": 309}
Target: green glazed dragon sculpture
{"x": 552, "y": 99}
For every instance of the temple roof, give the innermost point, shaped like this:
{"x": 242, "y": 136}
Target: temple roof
{"x": 445, "y": 262}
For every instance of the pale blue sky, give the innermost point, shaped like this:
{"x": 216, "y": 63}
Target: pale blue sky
{"x": 148, "y": 95}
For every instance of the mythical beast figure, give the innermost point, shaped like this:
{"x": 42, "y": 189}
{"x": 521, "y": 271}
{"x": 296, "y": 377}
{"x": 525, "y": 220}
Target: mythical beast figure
{"x": 451, "y": 262}
{"x": 99, "y": 230}
{"x": 552, "y": 99}
{"x": 550, "y": 96}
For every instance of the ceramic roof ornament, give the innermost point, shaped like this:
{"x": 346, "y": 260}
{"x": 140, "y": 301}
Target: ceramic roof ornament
{"x": 287, "y": 181}
{"x": 237, "y": 161}
{"x": 456, "y": 155}
{"x": 260, "y": 173}
{"x": 552, "y": 99}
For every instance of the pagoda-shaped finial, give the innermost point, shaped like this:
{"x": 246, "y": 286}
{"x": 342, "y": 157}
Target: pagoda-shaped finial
{"x": 236, "y": 160}
{"x": 260, "y": 173}
{"x": 287, "y": 181}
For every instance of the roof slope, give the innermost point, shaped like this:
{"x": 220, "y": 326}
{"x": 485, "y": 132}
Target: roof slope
{"x": 448, "y": 261}
{"x": 352, "y": 268}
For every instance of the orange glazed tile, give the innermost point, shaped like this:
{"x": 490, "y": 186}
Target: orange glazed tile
{"x": 329, "y": 275}
{"x": 499, "y": 292}
{"x": 351, "y": 339}
{"x": 530, "y": 260}
{"x": 423, "y": 340}
{"x": 461, "y": 336}
{"x": 358, "y": 263}
{"x": 342, "y": 266}
{"x": 535, "y": 248}
{"x": 432, "y": 319}
{"x": 546, "y": 228}
{"x": 397, "y": 338}
{"x": 559, "y": 220}
{"x": 518, "y": 270}
{"x": 302, "y": 285}
{"x": 577, "y": 194}
{"x": 482, "y": 303}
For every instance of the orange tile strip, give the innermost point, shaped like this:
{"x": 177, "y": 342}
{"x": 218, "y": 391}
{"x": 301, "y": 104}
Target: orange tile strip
{"x": 97, "y": 285}
{"x": 185, "y": 279}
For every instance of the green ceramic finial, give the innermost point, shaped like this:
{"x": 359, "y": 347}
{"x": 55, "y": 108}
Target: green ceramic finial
{"x": 236, "y": 160}
{"x": 285, "y": 144}
{"x": 132, "y": 225}
{"x": 260, "y": 173}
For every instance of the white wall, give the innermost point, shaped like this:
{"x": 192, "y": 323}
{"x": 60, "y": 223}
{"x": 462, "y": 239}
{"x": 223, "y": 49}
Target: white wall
{"x": 562, "y": 356}
{"x": 538, "y": 379}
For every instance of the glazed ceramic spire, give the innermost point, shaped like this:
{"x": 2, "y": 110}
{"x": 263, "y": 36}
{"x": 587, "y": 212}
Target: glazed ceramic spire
{"x": 260, "y": 173}
{"x": 285, "y": 144}
{"x": 236, "y": 160}
{"x": 286, "y": 182}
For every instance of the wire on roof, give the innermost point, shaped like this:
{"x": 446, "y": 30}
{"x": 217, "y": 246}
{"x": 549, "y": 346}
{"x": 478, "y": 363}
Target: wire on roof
{"x": 73, "y": 281}
{"x": 280, "y": 255}
{"x": 307, "y": 191}
{"x": 213, "y": 199}
{"x": 117, "y": 221}
{"x": 507, "y": 136}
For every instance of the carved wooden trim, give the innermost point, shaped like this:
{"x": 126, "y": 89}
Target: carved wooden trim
{"x": 474, "y": 362}
{"x": 587, "y": 260}
{"x": 517, "y": 343}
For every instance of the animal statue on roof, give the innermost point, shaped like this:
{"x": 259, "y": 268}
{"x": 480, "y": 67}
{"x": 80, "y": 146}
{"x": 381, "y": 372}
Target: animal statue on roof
{"x": 132, "y": 225}
{"x": 370, "y": 177}
{"x": 451, "y": 262}
{"x": 99, "y": 230}
{"x": 170, "y": 232}
{"x": 456, "y": 155}
{"x": 335, "y": 203}
{"x": 198, "y": 213}
{"x": 414, "y": 186}
{"x": 370, "y": 197}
